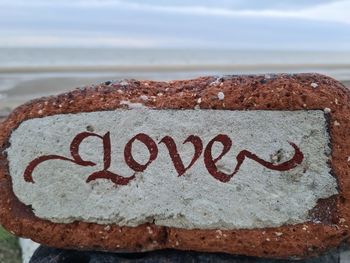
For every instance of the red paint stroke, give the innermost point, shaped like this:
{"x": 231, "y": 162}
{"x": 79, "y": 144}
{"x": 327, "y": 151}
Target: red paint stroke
{"x": 174, "y": 154}
{"x": 115, "y": 178}
{"x": 210, "y": 163}
{"x": 76, "y": 158}
{"x": 151, "y": 146}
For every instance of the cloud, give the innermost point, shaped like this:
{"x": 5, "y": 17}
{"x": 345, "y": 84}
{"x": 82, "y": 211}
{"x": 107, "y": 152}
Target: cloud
{"x": 319, "y": 10}
{"x": 82, "y": 41}
{"x": 333, "y": 12}
{"x": 337, "y": 11}
{"x": 298, "y": 24}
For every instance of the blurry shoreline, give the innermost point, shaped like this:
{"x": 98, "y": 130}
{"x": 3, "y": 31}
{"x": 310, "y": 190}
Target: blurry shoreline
{"x": 283, "y": 67}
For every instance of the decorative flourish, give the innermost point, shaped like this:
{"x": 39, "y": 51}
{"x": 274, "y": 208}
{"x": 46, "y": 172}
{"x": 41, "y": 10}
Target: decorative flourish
{"x": 76, "y": 158}
{"x": 227, "y": 143}
{"x": 209, "y": 161}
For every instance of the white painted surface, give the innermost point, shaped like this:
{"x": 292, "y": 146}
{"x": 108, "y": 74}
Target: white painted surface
{"x": 255, "y": 197}
{"x": 28, "y": 248}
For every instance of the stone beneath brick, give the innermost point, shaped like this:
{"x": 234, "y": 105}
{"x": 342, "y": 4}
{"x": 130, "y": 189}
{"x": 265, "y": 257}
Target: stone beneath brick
{"x": 45, "y": 254}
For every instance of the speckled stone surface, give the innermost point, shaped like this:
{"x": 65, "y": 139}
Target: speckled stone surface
{"x": 328, "y": 224}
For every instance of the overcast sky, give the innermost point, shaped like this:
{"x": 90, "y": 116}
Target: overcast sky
{"x": 237, "y": 24}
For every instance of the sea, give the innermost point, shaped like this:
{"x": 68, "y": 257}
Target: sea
{"x": 27, "y": 73}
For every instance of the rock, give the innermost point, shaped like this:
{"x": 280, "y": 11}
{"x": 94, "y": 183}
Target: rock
{"x": 249, "y": 165}
{"x": 52, "y": 255}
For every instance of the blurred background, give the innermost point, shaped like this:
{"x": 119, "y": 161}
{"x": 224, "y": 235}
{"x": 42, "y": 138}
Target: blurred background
{"x": 51, "y": 46}
{"x": 47, "y": 47}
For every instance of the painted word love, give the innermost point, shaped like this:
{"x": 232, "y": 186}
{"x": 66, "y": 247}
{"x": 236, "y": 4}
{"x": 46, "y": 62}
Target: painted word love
{"x": 196, "y": 141}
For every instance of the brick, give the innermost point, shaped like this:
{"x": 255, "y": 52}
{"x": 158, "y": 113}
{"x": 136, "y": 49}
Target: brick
{"x": 249, "y": 165}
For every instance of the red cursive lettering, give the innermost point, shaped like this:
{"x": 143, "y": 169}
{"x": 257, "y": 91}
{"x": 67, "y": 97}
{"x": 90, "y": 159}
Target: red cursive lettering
{"x": 209, "y": 161}
{"x": 174, "y": 154}
{"x": 151, "y": 146}
{"x": 76, "y": 158}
